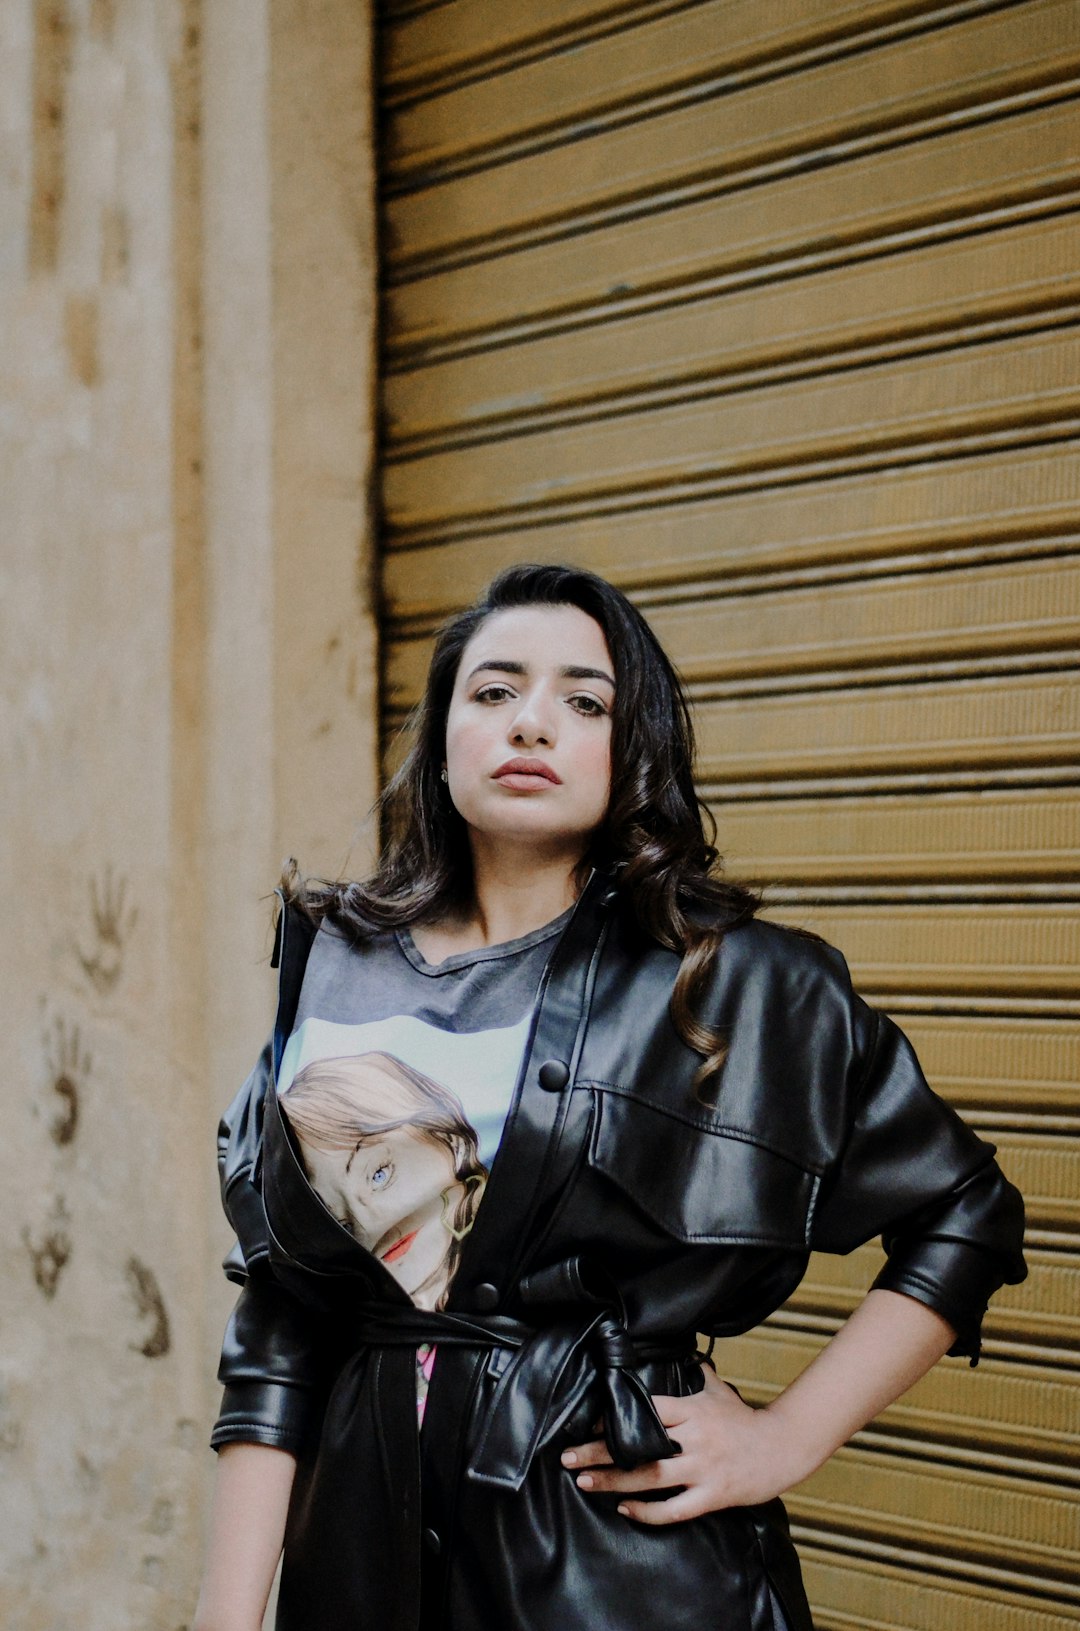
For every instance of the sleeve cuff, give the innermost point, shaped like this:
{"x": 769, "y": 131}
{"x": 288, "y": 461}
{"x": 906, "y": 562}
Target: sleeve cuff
{"x": 269, "y": 1413}
{"x": 955, "y": 1280}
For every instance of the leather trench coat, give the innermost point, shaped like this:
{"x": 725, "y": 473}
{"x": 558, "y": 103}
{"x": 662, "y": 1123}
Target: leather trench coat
{"x": 622, "y": 1215}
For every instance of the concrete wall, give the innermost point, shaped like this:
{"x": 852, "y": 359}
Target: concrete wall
{"x": 187, "y": 673}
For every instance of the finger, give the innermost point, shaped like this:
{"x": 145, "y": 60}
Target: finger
{"x": 673, "y": 1410}
{"x": 594, "y": 1454}
{"x": 624, "y": 1481}
{"x": 676, "y": 1509}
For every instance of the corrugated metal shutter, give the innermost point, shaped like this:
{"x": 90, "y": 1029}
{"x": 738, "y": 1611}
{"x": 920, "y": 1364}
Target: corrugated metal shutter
{"x": 768, "y": 309}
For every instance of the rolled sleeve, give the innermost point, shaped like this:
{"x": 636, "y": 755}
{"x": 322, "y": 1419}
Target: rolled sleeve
{"x": 272, "y": 1365}
{"x": 275, "y": 1354}
{"x": 914, "y": 1173}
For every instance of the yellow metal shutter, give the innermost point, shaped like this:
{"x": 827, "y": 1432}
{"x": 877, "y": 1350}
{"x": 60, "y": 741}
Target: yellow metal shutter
{"x": 768, "y": 310}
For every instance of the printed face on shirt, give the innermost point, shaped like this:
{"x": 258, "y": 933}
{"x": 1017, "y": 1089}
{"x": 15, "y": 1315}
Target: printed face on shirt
{"x": 528, "y": 732}
{"x": 391, "y": 1155}
{"x": 392, "y": 1194}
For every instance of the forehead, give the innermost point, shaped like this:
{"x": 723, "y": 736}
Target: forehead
{"x": 542, "y": 636}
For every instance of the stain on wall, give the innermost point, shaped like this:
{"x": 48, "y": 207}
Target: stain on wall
{"x": 69, "y": 1065}
{"x": 150, "y": 1307}
{"x": 49, "y": 1249}
{"x": 10, "y": 1425}
{"x": 115, "y": 244}
{"x": 102, "y": 19}
{"x": 81, "y": 338}
{"x": 113, "y": 922}
{"x": 52, "y": 63}
{"x": 162, "y": 1517}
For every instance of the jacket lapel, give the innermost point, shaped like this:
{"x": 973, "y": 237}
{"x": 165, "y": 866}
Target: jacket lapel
{"x": 522, "y": 1172}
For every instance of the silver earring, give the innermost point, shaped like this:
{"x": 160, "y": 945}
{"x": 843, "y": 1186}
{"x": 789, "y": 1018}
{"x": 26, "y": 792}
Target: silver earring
{"x": 443, "y": 774}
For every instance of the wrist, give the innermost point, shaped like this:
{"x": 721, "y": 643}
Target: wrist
{"x": 799, "y": 1451}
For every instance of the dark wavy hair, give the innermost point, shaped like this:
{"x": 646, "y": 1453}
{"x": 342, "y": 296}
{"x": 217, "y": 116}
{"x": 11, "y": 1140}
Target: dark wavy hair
{"x": 657, "y": 837}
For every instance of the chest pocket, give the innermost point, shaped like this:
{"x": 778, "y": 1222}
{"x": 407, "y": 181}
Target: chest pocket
{"x": 700, "y": 1183}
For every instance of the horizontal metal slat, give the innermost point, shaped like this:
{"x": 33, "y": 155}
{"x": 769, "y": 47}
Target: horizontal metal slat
{"x": 981, "y": 949}
{"x": 1032, "y": 833}
{"x": 1043, "y": 1310}
{"x": 884, "y": 1596}
{"x": 648, "y": 58}
{"x": 976, "y": 724}
{"x": 996, "y": 1410}
{"x": 1013, "y": 1066}
{"x": 975, "y": 612}
{"x": 908, "y": 195}
{"x": 437, "y": 42}
{"x": 1045, "y": 1167}
{"x": 891, "y": 90}
{"x": 926, "y": 511}
{"x": 994, "y": 283}
{"x": 940, "y": 401}
{"x": 1014, "y": 1523}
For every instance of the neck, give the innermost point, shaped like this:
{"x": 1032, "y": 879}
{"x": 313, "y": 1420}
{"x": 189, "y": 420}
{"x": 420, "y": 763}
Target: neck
{"x": 516, "y": 892}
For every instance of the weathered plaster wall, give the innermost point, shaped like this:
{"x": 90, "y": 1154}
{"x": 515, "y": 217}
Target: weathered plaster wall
{"x": 186, "y": 694}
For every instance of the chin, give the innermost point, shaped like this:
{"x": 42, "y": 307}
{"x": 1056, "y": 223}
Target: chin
{"x": 532, "y": 822}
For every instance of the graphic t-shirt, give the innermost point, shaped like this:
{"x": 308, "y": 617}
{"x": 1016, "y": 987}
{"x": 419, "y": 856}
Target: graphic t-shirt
{"x": 397, "y": 1081}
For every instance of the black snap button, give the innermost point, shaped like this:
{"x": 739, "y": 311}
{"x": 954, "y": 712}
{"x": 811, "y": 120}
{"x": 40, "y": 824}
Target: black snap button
{"x": 554, "y": 1075}
{"x": 432, "y": 1541}
{"x": 486, "y": 1297}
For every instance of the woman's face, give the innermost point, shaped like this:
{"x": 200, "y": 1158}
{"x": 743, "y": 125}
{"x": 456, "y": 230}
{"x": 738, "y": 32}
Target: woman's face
{"x": 528, "y": 732}
{"x": 396, "y": 1193}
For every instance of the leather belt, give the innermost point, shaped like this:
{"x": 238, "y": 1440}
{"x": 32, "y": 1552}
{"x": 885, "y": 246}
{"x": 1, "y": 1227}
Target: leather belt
{"x": 552, "y": 1367}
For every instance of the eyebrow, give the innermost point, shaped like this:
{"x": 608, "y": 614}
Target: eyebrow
{"x": 569, "y": 671}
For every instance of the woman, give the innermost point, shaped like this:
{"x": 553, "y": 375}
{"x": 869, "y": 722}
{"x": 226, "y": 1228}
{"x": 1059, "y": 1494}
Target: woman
{"x": 698, "y": 1100}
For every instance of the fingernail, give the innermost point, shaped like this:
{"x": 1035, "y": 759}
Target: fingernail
{"x": 624, "y": 1511}
{"x": 584, "y": 1481}
{"x": 569, "y": 1459}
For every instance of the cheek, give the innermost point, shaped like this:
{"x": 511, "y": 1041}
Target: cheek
{"x": 594, "y": 765}
{"x": 466, "y": 743}
{"x": 435, "y": 1169}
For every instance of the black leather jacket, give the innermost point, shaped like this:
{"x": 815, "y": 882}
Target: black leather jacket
{"x": 622, "y": 1215}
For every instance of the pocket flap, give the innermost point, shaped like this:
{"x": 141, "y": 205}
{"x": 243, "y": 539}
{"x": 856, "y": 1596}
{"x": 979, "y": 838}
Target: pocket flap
{"x": 700, "y": 1184}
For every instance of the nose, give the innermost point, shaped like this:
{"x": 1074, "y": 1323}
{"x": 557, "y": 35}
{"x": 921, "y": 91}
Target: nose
{"x": 534, "y": 720}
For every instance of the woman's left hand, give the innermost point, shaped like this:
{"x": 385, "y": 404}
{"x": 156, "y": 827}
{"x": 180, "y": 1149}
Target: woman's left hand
{"x": 732, "y": 1455}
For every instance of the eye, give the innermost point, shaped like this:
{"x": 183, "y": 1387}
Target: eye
{"x": 493, "y": 692}
{"x": 382, "y": 1175}
{"x": 592, "y": 707}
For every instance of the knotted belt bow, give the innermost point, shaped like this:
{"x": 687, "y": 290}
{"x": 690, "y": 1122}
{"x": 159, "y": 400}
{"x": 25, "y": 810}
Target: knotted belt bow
{"x": 552, "y": 1367}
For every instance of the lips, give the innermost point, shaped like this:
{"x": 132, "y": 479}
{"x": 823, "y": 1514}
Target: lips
{"x": 399, "y": 1248}
{"x": 533, "y": 769}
